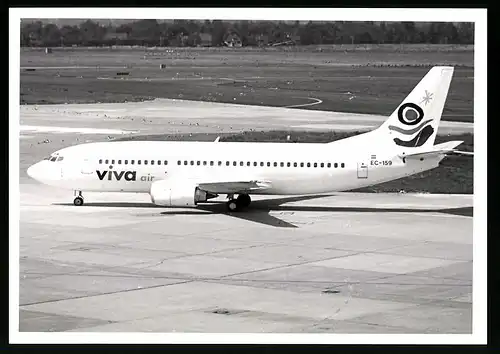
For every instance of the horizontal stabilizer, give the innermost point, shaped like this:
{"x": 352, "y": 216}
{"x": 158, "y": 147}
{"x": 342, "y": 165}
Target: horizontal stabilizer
{"x": 439, "y": 149}
{"x": 463, "y": 153}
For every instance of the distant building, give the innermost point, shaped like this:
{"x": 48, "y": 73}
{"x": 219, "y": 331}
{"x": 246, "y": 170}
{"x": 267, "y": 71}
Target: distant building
{"x": 232, "y": 39}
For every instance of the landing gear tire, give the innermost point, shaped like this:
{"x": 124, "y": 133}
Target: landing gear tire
{"x": 244, "y": 200}
{"x": 78, "y": 201}
{"x": 232, "y": 205}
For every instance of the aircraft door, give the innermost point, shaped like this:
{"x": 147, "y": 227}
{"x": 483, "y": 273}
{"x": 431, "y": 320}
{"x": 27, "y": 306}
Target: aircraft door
{"x": 362, "y": 170}
{"x": 87, "y": 168}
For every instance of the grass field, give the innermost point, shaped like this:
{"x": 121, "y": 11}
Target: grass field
{"x": 347, "y": 79}
{"x": 454, "y": 175}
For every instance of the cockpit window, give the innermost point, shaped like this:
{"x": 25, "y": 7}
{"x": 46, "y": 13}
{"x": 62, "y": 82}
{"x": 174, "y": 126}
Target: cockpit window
{"x": 53, "y": 158}
{"x": 60, "y": 158}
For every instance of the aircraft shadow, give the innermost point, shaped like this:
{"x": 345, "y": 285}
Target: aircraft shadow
{"x": 260, "y": 213}
{"x": 259, "y": 209}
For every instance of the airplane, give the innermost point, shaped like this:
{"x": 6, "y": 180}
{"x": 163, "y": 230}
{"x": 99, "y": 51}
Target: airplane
{"x": 187, "y": 174}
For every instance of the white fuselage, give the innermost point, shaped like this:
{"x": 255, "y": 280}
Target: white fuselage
{"x": 291, "y": 168}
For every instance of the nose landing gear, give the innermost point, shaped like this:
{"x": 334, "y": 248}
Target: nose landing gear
{"x": 79, "y": 199}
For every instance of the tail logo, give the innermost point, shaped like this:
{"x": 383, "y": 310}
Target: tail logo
{"x": 410, "y": 114}
{"x": 427, "y": 98}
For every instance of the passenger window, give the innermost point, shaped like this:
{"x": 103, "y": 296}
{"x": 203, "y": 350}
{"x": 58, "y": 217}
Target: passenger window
{"x": 288, "y": 164}
{"x": 248, "y": 163}
{"x": 119, "y": 162}
{"x": 295, "y": 164}
{"x": 255, "y": 163}
{"x": 152, "y": 162}
{"x": 301, "y": 164}
{"x": 335, "y": 165}
{"x": 275, "y": 164}
{"x": 308, "y": 164}
{"x": 126, "y": 162}
{"x": 268, "y": 164}
{"x": 204, "y": 163}
{"x": 100, "y": 161}
{"x": 145, "y": 162}
{"x": 322, "y": 164}
{"x": 262, "y": 164}
{"x": 342, "y": 165}
{"x": 107, "y": 162}
{"x": 192, "y": 163}
{"x": 219, "y": 163}
{"x": 179, "y": 162}
{"x": 198, "y": 163}
{"x": 234, "y": 163}
{"x": 227, "y": 163}
{"x": 185, "y": 162}
{"x": 112, "y": 162}
{"x": 211, "y": 163}
{"x": 132, "y": 162}
{"x": 328, "y": 165}
{"x": 315, "y": 164}
{"x": 241, "y": 163}
{"x": 138, "y": 162}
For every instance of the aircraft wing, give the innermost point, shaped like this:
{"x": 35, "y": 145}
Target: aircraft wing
{"x": 234, "y": 186}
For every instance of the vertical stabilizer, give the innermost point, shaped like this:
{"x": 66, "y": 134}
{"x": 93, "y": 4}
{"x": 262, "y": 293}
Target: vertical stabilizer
{"x": 415, "y": 122}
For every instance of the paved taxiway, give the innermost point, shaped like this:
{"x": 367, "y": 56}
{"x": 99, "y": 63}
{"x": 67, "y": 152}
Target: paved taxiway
{"x": 178, "y": 116}
{"x": 357, "y": 263}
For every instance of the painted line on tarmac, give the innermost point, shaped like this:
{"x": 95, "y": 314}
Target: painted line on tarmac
{"x": 317, "y": 101}
{"x": 47, "y": 129}
{"x": 70, "y": 67}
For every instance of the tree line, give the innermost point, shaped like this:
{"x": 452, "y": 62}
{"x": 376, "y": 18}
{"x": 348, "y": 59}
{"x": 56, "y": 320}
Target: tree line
{"x": 251, "y": 33}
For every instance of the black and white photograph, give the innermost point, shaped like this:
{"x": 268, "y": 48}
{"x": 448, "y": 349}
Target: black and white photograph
{"x": 251, "y": 176}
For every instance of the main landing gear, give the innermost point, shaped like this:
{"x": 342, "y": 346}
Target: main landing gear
{"x": 79, "y": 199}
{"x": 237, "y": 204}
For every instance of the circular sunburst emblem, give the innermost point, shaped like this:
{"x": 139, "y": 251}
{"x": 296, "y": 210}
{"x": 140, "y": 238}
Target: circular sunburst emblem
{"x": 410, "y": 114}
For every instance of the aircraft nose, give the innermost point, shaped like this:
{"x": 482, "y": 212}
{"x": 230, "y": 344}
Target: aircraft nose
{"x": 41, "y": 172}
{"x": 34, "y": 171}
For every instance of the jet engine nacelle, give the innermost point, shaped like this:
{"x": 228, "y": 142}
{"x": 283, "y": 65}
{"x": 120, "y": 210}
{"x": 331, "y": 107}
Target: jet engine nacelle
{"x": 167, "y": 193}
